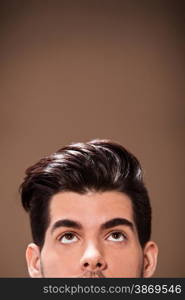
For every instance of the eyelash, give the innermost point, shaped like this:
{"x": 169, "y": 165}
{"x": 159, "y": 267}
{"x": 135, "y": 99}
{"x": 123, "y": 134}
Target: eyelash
{"x": 110, "y": 233}
{"x": 66, "y": 233}
{"x": 119, "y": 232}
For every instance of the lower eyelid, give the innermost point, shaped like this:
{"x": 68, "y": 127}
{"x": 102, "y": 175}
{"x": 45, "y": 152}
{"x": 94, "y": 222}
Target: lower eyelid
{"x": 78, "y": 238}
{"x": 122, "y": 234}
{"x": 72, "y": 241}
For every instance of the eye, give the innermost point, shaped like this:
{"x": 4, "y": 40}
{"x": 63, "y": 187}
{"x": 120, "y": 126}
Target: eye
{"x": 116, "y": 236}
{"x": 68, "y": 238}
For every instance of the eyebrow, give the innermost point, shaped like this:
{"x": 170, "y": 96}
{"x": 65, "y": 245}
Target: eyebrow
{"x": 107, "y": 225}
{"x": 115, "y": 222}
{"x": 66, "y": 223}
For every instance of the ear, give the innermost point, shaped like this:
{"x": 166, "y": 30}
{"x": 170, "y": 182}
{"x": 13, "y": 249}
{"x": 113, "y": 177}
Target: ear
{"x": 150, "y": 258}
{"x": 33, "y": 260}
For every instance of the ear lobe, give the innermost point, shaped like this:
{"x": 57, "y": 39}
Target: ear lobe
{"x": 150, "y": 258}
{"x": 33, "y": 260}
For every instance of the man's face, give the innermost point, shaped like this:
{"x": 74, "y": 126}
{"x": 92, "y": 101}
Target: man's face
{"x": 90, "y": 235}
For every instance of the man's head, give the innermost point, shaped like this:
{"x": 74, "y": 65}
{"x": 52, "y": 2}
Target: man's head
{"x": 90, "y": 214}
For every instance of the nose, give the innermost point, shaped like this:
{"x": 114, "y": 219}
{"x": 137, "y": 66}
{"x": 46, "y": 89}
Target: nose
{"x": 92, "y": 260}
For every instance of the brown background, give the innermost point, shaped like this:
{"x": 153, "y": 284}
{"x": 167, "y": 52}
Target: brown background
{"x": 72, "y": 71}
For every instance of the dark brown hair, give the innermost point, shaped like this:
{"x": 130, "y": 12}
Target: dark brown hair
{"x": 98, "y": 165}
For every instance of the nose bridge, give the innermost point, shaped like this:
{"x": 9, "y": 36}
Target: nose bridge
{"x": 92, "y": 258}
{"x": 92, "y": 250}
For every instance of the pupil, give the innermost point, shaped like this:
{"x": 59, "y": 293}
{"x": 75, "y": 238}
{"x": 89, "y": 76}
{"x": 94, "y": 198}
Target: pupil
{"x": 116, "y": 235}
{"x": 69, "y": 236}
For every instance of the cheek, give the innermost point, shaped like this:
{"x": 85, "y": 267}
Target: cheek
{"x": 59, "y": 261}
{"x": 125, "y": 262}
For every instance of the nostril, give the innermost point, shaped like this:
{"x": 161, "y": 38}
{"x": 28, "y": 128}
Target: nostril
{"x": 98, "y": 265}
{"x": 86, "y": 264}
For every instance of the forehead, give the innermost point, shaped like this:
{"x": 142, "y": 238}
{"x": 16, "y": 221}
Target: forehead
{"x": 90, "y": 208}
